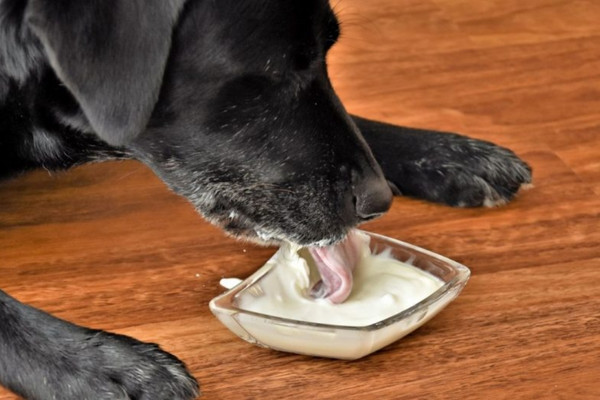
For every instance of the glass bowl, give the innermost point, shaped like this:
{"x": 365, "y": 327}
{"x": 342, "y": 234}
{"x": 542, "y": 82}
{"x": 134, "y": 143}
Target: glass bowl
{"x": 334, "y": 341}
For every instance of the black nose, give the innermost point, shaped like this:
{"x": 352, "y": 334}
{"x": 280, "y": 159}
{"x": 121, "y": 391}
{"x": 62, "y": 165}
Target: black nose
{"x": 372, "y": 194}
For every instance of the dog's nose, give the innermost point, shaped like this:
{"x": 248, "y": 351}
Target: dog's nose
{"x": 372, "y": 194}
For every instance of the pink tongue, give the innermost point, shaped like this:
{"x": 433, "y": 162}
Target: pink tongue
{"x": 335, "y": 264}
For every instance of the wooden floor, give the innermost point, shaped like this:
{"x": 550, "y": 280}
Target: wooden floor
{"x": 108, "y": 246}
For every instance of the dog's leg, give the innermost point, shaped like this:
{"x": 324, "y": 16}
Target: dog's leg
{"x": 445, "y": 167}
{"x": 43, "y": 357}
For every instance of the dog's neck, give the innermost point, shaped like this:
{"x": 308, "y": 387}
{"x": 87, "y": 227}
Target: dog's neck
{"x": 42, "y": 127}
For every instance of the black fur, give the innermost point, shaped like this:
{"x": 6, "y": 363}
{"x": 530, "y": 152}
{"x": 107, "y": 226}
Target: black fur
{"x": 229, "y": 102}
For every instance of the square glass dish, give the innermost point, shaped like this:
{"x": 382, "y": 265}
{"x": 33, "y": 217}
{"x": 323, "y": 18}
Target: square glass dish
{"x": 335, "y": 341}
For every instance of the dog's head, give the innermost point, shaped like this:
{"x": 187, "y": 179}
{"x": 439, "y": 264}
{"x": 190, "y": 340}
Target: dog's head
{"x": 228, "y": 101}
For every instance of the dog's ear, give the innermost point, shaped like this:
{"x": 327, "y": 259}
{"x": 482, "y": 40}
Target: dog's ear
{"x": 21, "y": 54}
{"x": 111, "y": 55}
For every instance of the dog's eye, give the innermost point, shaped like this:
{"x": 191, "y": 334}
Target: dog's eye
{"x": 332, "y": 33}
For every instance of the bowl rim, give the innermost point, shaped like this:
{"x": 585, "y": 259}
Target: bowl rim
{"x": 463, "y": 274}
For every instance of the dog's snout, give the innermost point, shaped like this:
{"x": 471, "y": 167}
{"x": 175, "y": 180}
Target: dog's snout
{"x": 372, "y": 194}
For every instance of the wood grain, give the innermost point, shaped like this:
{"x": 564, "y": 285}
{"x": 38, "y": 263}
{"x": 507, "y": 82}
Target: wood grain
{"x": 109, "y": 246}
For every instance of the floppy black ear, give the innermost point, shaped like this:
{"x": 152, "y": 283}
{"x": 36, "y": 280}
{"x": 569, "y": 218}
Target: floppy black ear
{"x": 20, "y": 51}
{"x": 111, "y": 55}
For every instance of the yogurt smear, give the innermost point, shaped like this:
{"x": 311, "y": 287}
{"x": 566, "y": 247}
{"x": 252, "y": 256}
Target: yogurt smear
{"x": 383, "y": 287}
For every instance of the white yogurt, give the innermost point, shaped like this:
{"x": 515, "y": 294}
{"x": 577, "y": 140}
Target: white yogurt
{"x": 382, "y": 288}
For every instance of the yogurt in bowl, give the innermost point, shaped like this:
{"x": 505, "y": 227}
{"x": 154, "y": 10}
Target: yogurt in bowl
{"x": 397, "y": 288}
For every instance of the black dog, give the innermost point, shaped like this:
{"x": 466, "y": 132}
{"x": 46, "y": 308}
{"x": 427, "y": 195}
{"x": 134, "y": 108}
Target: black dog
{"x": 229, "y": 102}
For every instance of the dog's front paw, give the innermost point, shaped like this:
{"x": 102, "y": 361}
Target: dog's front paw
{"x": 461, "y": 172}
{"x": 110, "y": 366}
{"x": 445, "y": 167}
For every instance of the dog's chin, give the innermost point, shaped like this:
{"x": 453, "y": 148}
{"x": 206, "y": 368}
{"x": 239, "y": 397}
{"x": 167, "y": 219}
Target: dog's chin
{"x": 243, "y": 229}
